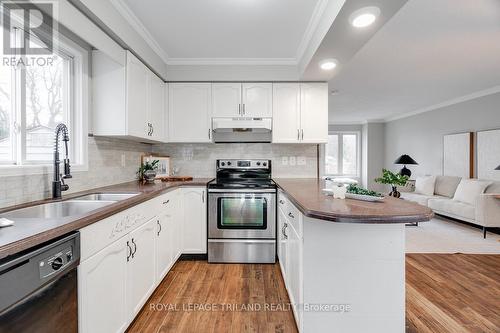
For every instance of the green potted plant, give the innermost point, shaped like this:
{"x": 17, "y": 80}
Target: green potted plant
{"x": 147, "y": 171}
{"x": 393, "y": 179}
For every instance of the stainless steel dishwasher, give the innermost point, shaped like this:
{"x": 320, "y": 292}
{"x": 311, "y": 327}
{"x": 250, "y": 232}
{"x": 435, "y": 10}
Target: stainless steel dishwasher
{"x": 38, "y": 288}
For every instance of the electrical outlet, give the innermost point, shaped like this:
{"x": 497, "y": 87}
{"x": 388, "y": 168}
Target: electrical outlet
{"x": 292, "y": 160}
{"x": 301, "y": 160}
{"x": 284, "y": 160}
{"x": 123, "y": 161}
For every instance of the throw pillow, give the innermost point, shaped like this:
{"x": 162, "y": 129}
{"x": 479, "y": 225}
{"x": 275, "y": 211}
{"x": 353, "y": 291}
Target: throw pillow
{"x": 425, "y": 185}
{"x": 469, "y": 189}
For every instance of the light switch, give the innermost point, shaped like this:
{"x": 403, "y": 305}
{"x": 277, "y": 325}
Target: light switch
{"x": 301, "y": 160}
{"x": 284, "y": 160}
{"x": 292, "y": 160}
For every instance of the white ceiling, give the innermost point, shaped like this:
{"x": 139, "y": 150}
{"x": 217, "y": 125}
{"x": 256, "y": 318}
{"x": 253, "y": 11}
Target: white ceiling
{"x": 221, "y": 31}
{"x": 429, "y": 53}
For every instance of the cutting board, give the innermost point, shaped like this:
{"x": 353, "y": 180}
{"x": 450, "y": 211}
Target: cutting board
{"x": 176, "y": 178}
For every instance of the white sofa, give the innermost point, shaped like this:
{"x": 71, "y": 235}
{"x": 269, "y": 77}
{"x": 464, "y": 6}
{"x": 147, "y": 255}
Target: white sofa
{"x": 485, "y": 210}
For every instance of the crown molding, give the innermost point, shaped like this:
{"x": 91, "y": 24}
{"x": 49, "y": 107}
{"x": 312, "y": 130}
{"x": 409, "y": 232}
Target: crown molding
{"x": 314, "y": 21}
{"x": 232, "y": 61}
{"x": 461, "y": 99}
{"x": 137, "y": 25}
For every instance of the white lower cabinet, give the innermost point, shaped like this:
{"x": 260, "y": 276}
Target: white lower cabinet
{"x": 195, "y": 220}
{"x": 126, "y": 256}
{"x": 290, "y": 254}
{"x": 102, "y": 290}
{"x": 141, "y": 279}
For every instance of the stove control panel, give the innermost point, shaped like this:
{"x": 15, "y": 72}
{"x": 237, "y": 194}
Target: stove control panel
{"x": 243, "y": 164}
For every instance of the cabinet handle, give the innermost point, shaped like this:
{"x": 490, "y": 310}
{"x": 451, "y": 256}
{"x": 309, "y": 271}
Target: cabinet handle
{"x": 298, "y": 134}
{"x": 159, "y": 226}
{"x": 239, "y": 109}
{"x": 209, "y": 134}
{"x": 129, "y": 251}
{"x": 135, "y": 248}
{"x": 291, "y": 215}
{"x": 166, "y": 202}
{"x": 283, "y": 230}
{"x": 302, "y": 134}
{"x": 282, "y": 202}
{"x": 203, "y": 197}
{"x": 243, "y": 108}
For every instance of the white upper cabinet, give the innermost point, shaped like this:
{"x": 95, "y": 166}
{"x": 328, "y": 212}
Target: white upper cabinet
{"x": 257, "y": 100}
{"x": 300, "y": 113}
{"x": 314, "y": 112}
{"x": 286, "y": 112}
{"x": 189, "y": 112}
{"x": 157, "y": 108}
{"x": 226, "y": 99}
{"x": 127, "y": 101}
{"x": 242, "y": 100}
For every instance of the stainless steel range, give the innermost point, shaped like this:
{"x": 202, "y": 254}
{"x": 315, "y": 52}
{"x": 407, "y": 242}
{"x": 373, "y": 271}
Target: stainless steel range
{"x": 242, "y": 213}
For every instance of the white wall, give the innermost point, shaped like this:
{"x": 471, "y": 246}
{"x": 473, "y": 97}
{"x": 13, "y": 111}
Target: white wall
{"x": 373, "y": 154}
{"x": 421, "y": 136}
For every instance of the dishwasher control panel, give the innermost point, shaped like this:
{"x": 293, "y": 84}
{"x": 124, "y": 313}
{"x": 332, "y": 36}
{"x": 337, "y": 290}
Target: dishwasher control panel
{"x": 55, "y": 262}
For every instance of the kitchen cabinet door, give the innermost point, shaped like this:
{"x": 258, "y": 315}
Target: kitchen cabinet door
{"x": 137, "y": 94}
{"x": 164, "y": 244}
{"x": 257, "y": 100}
{"x": 157, "y": 108}
{"x": 189, "y": 112}
{"x": 195, "y": 220}
{"x": 294, "y": 271}
{"x": 314, "y": 112}
{"x": 102, "y": 290}
{"x": 141, "y": 266}
{"x": 282, "y": 244}
{"x": 286, "y": 113}
{"x": 226, "y": 99}
{"x": 178, "y": 224}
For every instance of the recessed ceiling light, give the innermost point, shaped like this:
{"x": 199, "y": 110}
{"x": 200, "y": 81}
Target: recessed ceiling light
{"x": 328, "y": 64}
{"x": 364, "y": 17}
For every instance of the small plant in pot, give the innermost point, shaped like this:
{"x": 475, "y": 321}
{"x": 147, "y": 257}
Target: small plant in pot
{"x": 147, "y": 171}
{"x": 393, "y": 179}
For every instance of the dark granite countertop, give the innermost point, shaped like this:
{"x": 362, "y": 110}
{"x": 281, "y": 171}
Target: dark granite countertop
{"x": 307, "y": 195}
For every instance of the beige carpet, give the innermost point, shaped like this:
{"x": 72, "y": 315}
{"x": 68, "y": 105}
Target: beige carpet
{"x": 441, "y": 235}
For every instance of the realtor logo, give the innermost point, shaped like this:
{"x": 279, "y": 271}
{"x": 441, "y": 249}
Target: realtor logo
{"x": 28, "y": 27}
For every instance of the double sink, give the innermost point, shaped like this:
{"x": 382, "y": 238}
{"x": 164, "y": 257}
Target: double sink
{"x": 74, "y": 207}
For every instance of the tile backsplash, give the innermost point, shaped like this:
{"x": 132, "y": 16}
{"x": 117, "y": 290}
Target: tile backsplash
{"x": 104, "y": 168}
{"x": 198, "y": 160}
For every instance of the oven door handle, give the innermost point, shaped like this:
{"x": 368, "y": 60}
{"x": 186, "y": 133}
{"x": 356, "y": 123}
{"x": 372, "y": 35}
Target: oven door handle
{"x": 215, "y": 190}
{"x": 222, "y": 240}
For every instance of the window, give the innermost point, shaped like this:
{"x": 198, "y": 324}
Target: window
{"x": 342, "y": 154}
{"x": 38, "y": 95}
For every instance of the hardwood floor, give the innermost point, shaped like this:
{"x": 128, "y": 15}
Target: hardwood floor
{"x": 444, "y": 293}
{"x": 229, "y": 287}
{"x": 452, "y": 293}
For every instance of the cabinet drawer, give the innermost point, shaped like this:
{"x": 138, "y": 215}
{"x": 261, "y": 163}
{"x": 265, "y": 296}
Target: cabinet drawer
{"x": 165, "y": 202}
{"x": 97, "y": 236}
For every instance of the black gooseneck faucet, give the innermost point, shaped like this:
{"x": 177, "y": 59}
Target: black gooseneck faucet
{"x": 58, "y": 184}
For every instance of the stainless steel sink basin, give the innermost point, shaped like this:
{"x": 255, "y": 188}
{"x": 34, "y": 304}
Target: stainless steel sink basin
{"x": 106, "y": 196}
{"x": 55, "y": 210}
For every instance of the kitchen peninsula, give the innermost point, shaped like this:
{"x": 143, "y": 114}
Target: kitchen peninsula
{"x": 343, "y": 261}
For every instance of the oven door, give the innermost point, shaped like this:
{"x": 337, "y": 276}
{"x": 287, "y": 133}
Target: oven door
{"x": 242, "y": 214}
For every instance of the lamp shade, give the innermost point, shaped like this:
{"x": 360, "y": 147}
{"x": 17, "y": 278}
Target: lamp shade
{"x": 406, "y": 160}
{"x": 497, "y": 168}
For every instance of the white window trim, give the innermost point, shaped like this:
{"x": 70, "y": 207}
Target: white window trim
{"x": 322, "y": 155}
{"x": 79, "y": 115}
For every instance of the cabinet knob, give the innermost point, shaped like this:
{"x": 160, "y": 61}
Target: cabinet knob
{"x": 282, "y": 202}
{"x": 291, "y": 215}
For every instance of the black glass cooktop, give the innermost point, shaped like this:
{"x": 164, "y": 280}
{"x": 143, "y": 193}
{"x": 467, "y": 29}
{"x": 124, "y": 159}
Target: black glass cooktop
{"x": 241, "y": 183}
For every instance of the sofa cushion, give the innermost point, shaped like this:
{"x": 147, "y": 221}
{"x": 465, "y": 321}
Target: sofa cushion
{"x": 469, "y": 189}
{"x": 452, "y": 207}
{"x": 418, "y": 198}
{"x": 446, "y": 185}
{"x": 425, "y": 185}
{"x": 493, "y": 188}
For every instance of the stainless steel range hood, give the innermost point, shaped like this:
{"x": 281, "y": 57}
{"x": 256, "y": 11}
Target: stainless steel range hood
{"x": 237, "y": 130}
